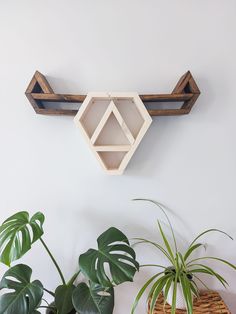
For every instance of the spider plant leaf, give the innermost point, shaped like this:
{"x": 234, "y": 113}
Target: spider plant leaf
{"x": 22, "y": 294}
{"x": 185, "y": 284}
{"x": 177, "y": 266}
{"x": 163, "y": 278}
{"x": 194, "y": 288}
{"x": 208, "y": 270}
{"x": 93, "y": 299}
{"x": 167, "y": 287}
{"x": 213, "y": 258}
{"x": 167, "y": 245}
{"x": 142, "y": 290}
{"x": 174, "y": 296}
{"x": 152, "y": 265}
{"x": 191, "y": 249}
{"x": 207, "y": 231}
{"x": 158, "y": 289}
{"x": 201, "y": 270}
{"x": 167, "y": 218}
{"x": 17, "y": 234}
{"x": 202, "y": 282}
{"x": 181, "y": 259}
{"x": 120, "y": 258}
{"x": 190, "y": 296}
{"x": 158, "y": 246}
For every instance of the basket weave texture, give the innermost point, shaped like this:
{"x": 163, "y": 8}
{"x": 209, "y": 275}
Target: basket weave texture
{"x": 209, "y": 302}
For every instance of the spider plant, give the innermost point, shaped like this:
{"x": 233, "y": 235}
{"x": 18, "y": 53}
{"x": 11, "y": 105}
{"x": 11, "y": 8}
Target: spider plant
{"x": 183, "y": 271}
{"x": 22, "y": 295}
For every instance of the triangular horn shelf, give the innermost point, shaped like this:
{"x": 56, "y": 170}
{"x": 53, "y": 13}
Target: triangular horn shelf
{"x": 39, "y": 91}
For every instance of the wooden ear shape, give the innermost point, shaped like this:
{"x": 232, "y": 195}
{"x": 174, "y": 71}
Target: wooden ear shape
{"x": 38, "y": 85}
{"x": 187, "y": 85}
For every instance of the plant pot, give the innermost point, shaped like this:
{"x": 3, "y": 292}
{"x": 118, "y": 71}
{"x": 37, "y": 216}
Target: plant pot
{"x": 180, "y": 301}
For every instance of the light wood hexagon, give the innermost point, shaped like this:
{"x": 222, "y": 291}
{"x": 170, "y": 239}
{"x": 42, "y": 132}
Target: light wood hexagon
{"x": 113, "y": 125}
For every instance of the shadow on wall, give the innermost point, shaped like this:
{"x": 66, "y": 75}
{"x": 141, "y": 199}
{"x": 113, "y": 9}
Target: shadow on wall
{"x": 165, "y": 131}
{"x": 159, "y": 134}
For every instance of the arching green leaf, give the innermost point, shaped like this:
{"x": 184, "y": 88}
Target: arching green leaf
{"x": 207, "y": 231}
{"x": 142, "y": 290}
{"x": 191, "y": 249}
{"x": 17, "y": 234}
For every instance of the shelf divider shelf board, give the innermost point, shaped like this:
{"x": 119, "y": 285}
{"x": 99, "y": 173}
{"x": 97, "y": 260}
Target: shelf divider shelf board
{"x": 112, "y": 148}
{"x": 40, "y": 92}
{"x": 115, "y": 130}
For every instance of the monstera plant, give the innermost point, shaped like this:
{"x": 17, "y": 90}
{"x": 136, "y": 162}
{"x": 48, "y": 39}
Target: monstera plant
{"x": 101, "y": 269}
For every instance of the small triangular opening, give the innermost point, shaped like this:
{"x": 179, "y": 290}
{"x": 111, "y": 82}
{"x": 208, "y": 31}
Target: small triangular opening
{"x": 112, "y": 133}
{"x": 112, "y": 160}
{"x": 37, "y": 88}
{"x": 187, "y": 89}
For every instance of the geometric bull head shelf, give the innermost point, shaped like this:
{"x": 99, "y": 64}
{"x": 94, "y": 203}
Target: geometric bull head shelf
{"x": 113, "y": 124}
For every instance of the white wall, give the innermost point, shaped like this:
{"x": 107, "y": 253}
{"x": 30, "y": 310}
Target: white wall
{"x": 188, "y": 162}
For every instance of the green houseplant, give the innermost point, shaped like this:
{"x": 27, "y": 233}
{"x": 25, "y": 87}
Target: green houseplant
{"x": 178, "y": 280}
{"x": 22, "y": 295}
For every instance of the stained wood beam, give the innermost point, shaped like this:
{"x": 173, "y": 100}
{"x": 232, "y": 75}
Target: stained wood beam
{"x": 80, "y": 98}
{"x": 40, "y": 91}
{"x": 67, "y": 98}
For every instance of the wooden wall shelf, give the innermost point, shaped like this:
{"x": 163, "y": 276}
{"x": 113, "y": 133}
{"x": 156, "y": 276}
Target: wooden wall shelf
{"x": 112, "y": 124}
{"x": 39, "y": 91}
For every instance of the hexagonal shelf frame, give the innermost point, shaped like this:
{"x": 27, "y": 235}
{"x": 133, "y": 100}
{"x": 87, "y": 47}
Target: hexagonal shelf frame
{"x": 113, "y": 125}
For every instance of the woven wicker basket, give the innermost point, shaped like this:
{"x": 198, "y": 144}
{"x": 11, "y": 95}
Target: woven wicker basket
{"x": 209, "y": 302}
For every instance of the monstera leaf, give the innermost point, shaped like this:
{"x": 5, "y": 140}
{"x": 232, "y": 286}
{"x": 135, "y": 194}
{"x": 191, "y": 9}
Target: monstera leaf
{"x": 24, "y": 296}
{"x": 114, "y": 250}
{"x": 93, "y": 299}
{"x": 63, "y": 298}
{"x": 17, "y": 234}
